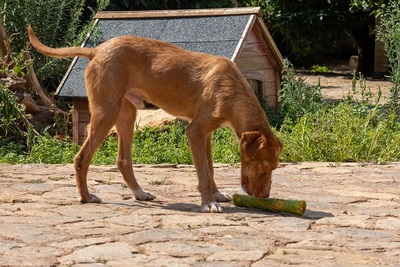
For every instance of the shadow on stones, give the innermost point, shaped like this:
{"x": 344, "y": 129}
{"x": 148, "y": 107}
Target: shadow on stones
{"x": 227, "y": 209}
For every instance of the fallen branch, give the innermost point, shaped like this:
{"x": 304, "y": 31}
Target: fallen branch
{"x": 31, "y": 106}
{"x": 3, "y": 41}
{"x": 34, "y": 83}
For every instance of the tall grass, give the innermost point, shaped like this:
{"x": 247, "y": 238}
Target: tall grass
{"x": 168, "y": 144}
{"x": 152, "y": 145}
{"x": 355, "y": 129}
{"x": 341, "y": 133}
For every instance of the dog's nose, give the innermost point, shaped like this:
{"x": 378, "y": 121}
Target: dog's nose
{"x": 260, "y": 193}
{"x": 264, "y": 195}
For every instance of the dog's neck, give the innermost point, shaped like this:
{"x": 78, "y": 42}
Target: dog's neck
{"x": 253, "y": 119}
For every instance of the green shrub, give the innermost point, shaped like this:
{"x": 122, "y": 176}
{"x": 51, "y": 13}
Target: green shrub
{"x": 11, "y": 152}
{"x": 296, "y": 97}
{"x": 46, "y": 149}
{"x": 319, "y": 69}
{"x": 58, "y": 23}
{"x": 168, "y": 144}
{"x": 389, "y": 34}
{"x": 225, "y": 146}
{"x": 342, "y": 133}
{"x": 12, "y": 117}
{"x": 163, "y": 144}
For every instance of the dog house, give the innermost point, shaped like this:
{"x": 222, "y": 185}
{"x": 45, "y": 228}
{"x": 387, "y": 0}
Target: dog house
{"x": 236, "y": 33}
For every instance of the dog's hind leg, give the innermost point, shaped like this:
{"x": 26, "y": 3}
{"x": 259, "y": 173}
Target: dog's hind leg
{"x": 100, "y": 125}
{"x": 125, "y": 127}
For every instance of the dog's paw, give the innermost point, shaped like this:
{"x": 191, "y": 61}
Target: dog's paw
{"x": 91, "y": 199}
{"x": 222, "y": 197}
{"x": 211, "y": 207}
{"x": 141, "y": 195}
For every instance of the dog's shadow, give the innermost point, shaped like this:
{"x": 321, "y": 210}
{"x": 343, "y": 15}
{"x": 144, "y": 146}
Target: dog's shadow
{"x": 231, "y": 209}
{"x": 228, "y": 208}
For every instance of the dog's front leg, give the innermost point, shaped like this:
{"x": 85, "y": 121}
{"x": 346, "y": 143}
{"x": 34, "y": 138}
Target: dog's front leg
{"x": 198, "y": 145}
{"x": 219, "y": 196}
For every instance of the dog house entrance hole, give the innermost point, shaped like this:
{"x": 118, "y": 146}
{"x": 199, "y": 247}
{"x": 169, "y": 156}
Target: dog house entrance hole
{"x": 256, "y": 86}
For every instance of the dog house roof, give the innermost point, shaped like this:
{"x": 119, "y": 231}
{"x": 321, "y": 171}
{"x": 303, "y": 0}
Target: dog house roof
{"x": 212, "y": 31}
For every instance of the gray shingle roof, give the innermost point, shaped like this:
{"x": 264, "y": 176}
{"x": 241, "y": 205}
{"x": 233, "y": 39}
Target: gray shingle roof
{"x": 216, "y": 35}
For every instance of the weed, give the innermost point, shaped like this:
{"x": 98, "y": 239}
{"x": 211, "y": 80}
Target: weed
{"x": 107, "y": 181}
{"x": 58, "y": 178}
{"x": 101, "y": 260}
{"x": 35, "y": 181}
{"x": 296, "y": 97}
{"x": 161, "y": 182}
{"x": 21, "y": 201}
{"x": 45, "y": 149}
{"x": 285, "y": 252}
{"x": 7, "y": 176}
{"x": 388, "y": 33}
{"x": 319, "y": 69}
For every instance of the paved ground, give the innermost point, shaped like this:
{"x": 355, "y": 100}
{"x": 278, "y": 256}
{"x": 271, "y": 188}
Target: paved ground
{"x": 352, "y": 218}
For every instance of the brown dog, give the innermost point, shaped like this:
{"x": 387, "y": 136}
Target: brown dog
{"x": 208, "y": 91}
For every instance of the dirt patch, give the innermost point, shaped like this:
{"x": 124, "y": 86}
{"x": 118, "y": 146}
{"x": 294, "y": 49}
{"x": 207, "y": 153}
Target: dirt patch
{"x": 338, "y": 86}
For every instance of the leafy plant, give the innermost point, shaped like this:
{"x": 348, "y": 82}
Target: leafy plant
{"x": 12, "y": 115}
{"x": 46, "y": 149}
{"x": 296, "y": 97}
{"x": 389, "y": 34}
{"x": 58, "y": 23}
{"x": 168, "y": 144}
{"x": 319, "y": 69}
{"x": 175, "y": 4}
{"x": 164, "y": 144}
{"x": 356, "y": 129}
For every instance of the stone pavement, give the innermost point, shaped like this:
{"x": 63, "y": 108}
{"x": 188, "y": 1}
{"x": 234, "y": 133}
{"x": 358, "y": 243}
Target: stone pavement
{"x": 352, "y": 218}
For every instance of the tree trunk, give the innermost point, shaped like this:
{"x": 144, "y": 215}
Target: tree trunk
{"x": 365, "y": 39}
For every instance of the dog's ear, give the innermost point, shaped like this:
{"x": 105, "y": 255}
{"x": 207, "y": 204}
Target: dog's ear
{"x": 251, "y": 143}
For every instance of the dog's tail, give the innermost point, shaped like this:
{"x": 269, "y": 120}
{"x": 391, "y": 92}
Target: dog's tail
{"x": 59, "y": 52}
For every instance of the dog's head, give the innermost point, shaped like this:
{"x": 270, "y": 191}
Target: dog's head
{"x": 259, "y": 157}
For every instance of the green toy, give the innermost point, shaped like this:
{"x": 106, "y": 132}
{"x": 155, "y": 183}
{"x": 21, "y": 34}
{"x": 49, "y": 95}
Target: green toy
{"x": 297, "y": 207}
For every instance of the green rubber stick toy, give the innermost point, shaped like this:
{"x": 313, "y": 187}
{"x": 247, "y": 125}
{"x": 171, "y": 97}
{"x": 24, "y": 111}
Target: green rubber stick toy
{"x": 297, "y": 207}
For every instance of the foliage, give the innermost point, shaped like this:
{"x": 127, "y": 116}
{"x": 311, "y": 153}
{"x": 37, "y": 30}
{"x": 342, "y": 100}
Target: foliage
{"x": 375, "y": 6}
{"x": 12, "y": 117}
{"x": 296, "y": 97}
{"x": 152, "y": 145}
{"x": 46, "y": 149}
{"x": 356, "y": 129}
{"x": 57, "y": 23}
{"x": 171, "y": 145}
{"x": 389, "y": 34}
{"x": 341, "y": 133}
{"x": 309, "y": 27}
{"x": 156, "y": 4}
{"x": 312, "y": 129}
{"x": 13, "y": 123}
{"x": 11, "y": 152}
{"x": 319, "y": 69}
